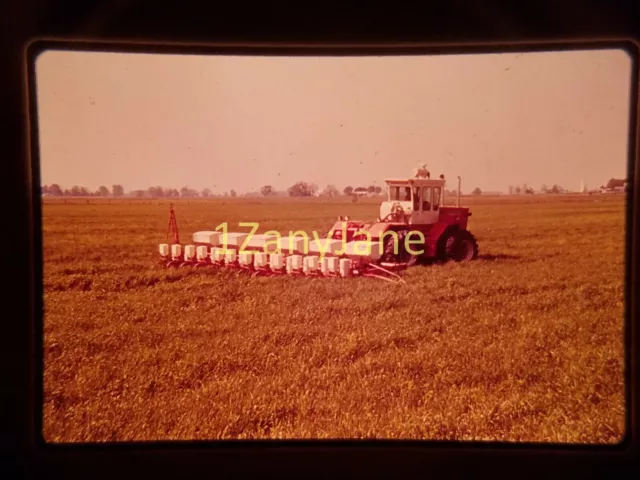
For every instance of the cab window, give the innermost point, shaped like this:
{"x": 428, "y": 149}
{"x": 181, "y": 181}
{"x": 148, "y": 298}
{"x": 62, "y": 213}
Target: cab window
{"x": 416, "y": 199}
{"x": 436, "y": 197}
{"x": 426, "y": 196}
{"x": 400, "y": 194}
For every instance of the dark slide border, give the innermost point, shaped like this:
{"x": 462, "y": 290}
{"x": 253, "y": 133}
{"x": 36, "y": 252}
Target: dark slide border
{"x": 270, "y": 33}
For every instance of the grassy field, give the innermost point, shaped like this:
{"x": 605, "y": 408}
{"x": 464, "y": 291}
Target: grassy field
{"x": 525, "y": 344}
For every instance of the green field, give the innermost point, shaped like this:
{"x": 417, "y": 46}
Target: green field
{"x": 524, "y": 344}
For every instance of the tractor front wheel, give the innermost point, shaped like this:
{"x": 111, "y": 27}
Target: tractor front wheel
{"x": 460, "y": 246}
{"x": 397, "y": 252}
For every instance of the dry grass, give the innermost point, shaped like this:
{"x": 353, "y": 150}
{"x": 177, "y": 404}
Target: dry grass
{"x": 524, "y": 344}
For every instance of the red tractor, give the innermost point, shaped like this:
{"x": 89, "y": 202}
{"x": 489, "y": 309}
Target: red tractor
{"x": 414, "y": 224}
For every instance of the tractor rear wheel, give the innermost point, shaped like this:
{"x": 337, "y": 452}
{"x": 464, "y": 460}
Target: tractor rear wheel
{"x": 460, "y": 246}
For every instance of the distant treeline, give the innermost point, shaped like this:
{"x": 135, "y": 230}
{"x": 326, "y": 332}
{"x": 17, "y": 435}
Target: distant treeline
{"x": 523, "y": 190}
{"x": 56, "y": 190}
{"x": 298, "y": 189}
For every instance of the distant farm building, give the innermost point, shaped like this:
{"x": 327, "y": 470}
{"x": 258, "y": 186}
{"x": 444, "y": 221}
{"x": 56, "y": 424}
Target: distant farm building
{"x": 614, "y": 185}
{"x": 360, "y": 192}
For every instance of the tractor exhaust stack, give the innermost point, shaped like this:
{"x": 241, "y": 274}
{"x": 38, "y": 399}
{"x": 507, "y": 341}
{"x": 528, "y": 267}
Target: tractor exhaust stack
{"x": 458, "y": 194}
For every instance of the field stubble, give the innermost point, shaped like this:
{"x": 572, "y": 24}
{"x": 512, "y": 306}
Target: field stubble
{"x": 525, "y": 344}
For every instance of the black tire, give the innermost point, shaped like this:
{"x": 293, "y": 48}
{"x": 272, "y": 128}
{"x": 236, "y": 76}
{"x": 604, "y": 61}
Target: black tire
{"x": 458, "y": 246}
{"x": 403, "y": 256}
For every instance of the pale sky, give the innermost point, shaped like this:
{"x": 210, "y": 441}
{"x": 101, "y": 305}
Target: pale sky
{"x": 243, "y": 122}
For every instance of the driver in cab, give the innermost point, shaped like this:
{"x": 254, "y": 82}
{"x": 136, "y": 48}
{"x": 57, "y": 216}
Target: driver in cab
{"x": 416, "y": 199}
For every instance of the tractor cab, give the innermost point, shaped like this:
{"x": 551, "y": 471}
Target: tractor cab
{"x": 415, "y": 201}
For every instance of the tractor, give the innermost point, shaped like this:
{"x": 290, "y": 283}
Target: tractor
{"x": 414, "y": 225}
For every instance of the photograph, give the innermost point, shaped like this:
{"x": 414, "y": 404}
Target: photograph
{"x": 334, "y": 247}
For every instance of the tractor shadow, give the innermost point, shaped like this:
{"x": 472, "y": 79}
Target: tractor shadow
{"x": 489, "y": 257}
